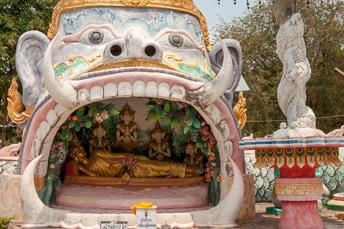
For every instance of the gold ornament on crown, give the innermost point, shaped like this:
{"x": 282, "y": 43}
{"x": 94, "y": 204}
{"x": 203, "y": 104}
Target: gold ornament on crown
{"x": 186, "y": 6}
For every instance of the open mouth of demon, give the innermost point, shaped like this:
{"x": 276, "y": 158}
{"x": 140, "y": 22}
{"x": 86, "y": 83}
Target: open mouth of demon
{"x": 135, "y": 131}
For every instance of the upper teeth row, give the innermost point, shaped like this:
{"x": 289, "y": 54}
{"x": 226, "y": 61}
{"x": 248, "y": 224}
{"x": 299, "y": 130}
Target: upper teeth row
{"x": 137, "y": 89}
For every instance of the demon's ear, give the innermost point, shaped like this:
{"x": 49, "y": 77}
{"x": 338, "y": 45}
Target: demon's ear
{"x": 29, "y": 56}
{"x": 216, "y": 58}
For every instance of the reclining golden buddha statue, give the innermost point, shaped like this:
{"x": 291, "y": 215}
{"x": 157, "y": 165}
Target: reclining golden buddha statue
{"x": 103, "y": 163}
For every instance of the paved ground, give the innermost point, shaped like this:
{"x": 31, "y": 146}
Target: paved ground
{"x": 264, "y": 221}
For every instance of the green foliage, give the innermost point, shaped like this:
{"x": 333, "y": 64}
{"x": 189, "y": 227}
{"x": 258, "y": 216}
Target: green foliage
{"x": 17, "y": 17}
{"x": 178, "y": 143}
{"x": 52, "y": 180}
{"x": 184, "y": 122}
{"x": 86, "y": 117}
{"x": 262, "y": 69}
{"x": 214, "y": 192}
{"x": 214, "y": 189}
{"x": 176, "y": 116}
{"x": 4, "y": 222}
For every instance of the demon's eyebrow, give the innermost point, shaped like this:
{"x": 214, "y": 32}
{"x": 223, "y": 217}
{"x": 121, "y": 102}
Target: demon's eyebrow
{"x": 76, "y": 36}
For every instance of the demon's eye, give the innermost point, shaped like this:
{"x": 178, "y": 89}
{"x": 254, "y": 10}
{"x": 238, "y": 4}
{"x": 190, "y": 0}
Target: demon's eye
{"x": 96, "y": 37}
{"x": 176, "y": 40}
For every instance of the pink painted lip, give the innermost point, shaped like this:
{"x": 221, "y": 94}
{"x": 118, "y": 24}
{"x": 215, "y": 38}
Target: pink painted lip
{"x": 158, "y": 77}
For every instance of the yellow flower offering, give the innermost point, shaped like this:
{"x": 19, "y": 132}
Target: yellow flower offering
{"x": 140, "y": 205}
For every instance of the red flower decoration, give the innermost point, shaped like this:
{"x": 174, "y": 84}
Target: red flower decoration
{"x": 159, "y": 101}
{"x": 219, "y": 179}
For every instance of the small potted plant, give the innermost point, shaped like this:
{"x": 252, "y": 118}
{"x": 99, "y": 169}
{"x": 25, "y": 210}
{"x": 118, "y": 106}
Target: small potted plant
{"x": 4, "y": 222}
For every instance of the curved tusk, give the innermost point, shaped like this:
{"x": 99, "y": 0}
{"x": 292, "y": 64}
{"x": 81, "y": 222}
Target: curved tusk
{"x": 62, "y": 92}
{"x": 35, "y": 213}
{"x": 225, "y": 213}
{"x": 226, "y": 77}
{"x": 211, "y": 91}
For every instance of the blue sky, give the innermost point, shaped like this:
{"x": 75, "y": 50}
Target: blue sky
{"x": 226, "y": 10}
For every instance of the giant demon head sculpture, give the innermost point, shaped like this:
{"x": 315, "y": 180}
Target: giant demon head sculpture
{"x": 100, "y": 50}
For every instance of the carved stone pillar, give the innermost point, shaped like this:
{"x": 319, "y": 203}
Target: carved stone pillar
{"x": 297, "y": 187}
{"x": 299, "y": 194}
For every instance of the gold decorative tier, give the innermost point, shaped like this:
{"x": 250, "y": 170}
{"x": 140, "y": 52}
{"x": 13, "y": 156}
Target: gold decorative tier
{"x": 312, "y": 187}
{"x": 186, "y": 6}
{"x": 108, "y": 181}
{"x": 313, "y": 156}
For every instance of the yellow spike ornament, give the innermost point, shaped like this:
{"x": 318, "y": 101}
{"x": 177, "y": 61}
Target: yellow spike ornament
{"x": 240, "y": 110}
{"x": 15, "y": 107}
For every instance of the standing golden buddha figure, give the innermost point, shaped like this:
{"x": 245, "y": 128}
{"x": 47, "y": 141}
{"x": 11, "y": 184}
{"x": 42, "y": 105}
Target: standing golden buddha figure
{"x": 159, "y": 148}
{"x": 99, "y": 139}
{"x": 126, "y": 129}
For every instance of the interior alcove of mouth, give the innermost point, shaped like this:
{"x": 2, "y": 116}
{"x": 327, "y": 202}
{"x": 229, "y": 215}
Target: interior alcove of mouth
{"x": 140, "y": 149}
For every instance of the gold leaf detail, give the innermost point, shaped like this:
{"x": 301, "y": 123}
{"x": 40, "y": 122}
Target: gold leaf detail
{"x": 131, "y": 63}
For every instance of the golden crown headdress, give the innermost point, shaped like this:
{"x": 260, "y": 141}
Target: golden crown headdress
{"x": 127, "y": 110}
{"x": 186, "y": 6}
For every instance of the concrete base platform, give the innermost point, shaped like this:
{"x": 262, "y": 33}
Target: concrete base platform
{"x": 10, "y": 205}
{"x": 120, "y": 198}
